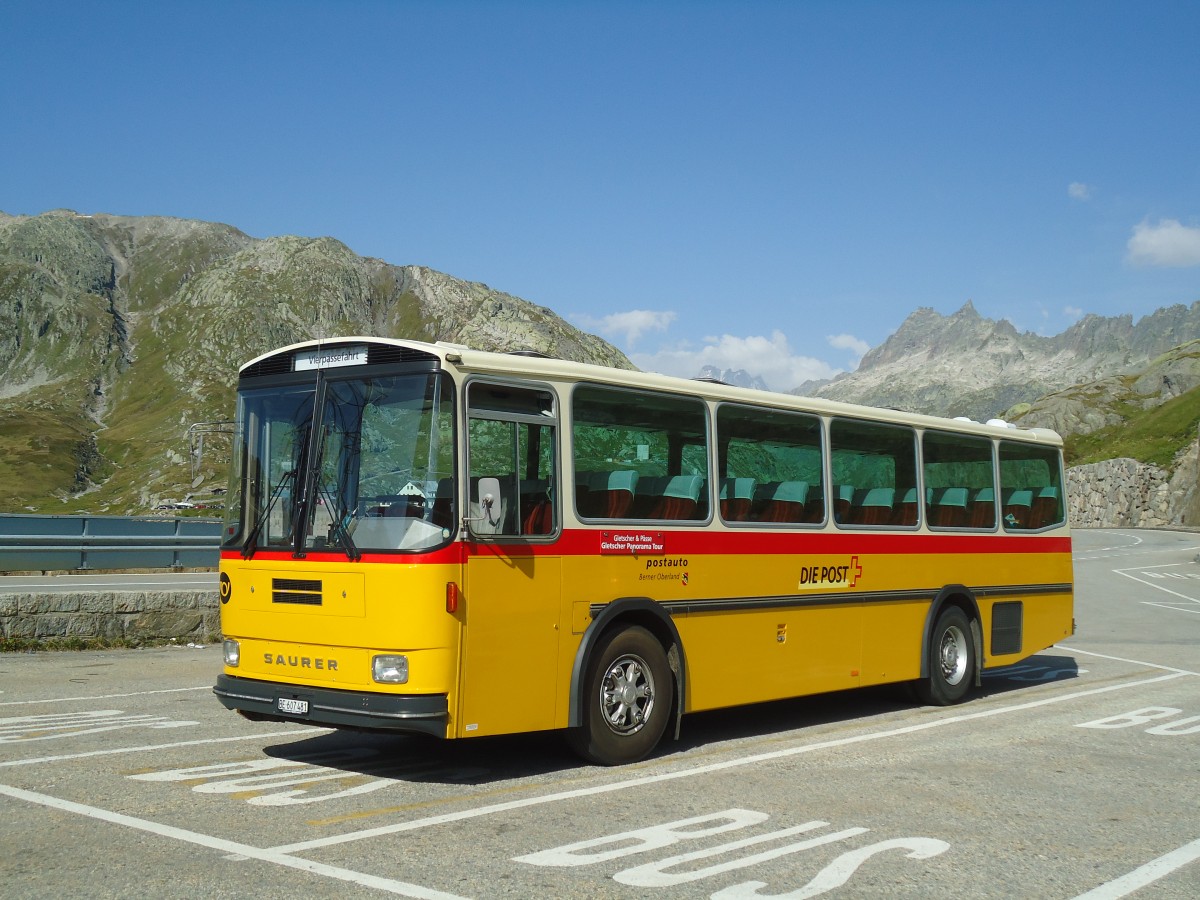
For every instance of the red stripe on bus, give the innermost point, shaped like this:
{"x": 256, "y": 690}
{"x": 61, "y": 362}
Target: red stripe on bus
{"x": 586, "y": 542}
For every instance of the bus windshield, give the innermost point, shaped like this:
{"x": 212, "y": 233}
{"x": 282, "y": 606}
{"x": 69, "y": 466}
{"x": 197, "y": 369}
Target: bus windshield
{"x": 349, "y": 465}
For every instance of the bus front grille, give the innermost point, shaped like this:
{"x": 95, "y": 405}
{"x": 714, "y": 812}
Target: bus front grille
{"x": 304, "y": 591}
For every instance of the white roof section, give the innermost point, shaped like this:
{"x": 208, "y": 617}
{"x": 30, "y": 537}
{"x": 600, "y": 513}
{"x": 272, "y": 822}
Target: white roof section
{"x": 459, "y": 358}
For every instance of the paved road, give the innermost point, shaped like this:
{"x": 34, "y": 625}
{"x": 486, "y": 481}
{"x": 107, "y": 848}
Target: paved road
{"x": 1073, "y": 775}
{"x": 78, "y": 584}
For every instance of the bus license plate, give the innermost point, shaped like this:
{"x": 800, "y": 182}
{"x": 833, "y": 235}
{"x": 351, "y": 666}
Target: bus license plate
{"x": 292, "y": 707}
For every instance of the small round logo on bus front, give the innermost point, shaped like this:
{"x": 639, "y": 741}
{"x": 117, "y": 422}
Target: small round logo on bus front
{"x": 226, "y": 588}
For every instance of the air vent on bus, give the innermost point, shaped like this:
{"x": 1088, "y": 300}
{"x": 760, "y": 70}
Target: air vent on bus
{"x": 296, "y": 590}
{"x": 1007, "y": 627}
{"x": 532, "y": 354}
{"x": 378, "y": 354}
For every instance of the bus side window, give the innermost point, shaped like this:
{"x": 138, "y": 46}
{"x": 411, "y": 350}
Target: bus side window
{"x": 639, "y": 455}
{"x": 959, "y": 480}
{"x": 873, "y": 463}
{"x": 1030, "y": 487}
{"x": 771, "y": 468}
{"x": 511, "y": 450}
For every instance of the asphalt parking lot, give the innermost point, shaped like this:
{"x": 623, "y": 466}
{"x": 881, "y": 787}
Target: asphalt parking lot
{"x": 1075, "y": 774}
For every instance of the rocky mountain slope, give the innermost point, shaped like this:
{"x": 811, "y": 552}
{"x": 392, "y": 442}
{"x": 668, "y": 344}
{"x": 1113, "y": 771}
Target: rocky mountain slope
{"x": 117, "y": 333}
{"x": 1088, "y": 407}
{"x": 965, "y": 364}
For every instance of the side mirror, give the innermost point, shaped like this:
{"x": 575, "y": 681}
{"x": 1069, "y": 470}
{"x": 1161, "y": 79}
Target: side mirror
{"x": 487, "y": 508}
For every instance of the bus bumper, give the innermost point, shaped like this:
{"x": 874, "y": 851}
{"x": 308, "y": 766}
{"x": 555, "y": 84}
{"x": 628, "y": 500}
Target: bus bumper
{"x": 418, "y": 714}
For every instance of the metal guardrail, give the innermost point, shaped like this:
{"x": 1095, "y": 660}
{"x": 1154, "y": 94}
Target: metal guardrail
{"x": 32, "y": 543}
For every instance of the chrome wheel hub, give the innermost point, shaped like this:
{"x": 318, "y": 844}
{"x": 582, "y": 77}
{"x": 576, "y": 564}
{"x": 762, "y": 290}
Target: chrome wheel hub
{"x": 627, "y": 694}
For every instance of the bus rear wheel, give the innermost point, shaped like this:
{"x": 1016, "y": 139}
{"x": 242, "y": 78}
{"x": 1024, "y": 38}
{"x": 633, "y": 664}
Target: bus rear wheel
{"x": 626, "y": 698}
{"x": 951, "y": 658}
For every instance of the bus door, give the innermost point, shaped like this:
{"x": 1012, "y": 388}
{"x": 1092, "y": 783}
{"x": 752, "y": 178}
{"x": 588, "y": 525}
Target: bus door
{"x": 512, "y": 584}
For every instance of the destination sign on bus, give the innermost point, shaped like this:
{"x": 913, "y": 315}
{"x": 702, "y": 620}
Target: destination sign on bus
{"x": 331, "y": 358}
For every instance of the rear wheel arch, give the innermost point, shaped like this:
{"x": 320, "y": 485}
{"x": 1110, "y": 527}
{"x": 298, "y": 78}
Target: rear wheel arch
{"x": 954, "y": 610}
{"x": 620, "y": 614}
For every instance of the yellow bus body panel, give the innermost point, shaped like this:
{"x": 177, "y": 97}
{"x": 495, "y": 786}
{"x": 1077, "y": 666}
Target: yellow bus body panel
{"x": 511, "y": 670}
{"x": 365, "y": 609}
{"x": 512, "y": 665}
{"x": 828, "y": 637}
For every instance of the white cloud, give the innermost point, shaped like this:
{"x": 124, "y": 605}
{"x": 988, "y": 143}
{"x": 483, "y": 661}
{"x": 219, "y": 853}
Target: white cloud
{"x": 770, "y": 358}
{"x": 1074, "y": 313}
{"x": 1077, "y": 190}
{"x": 1167, "y": 243}
{"x": 857, "y": 347}
{"x": 628, "y": 326}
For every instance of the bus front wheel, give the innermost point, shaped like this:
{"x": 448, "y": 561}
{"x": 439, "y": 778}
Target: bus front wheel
{"x": 951, "y": 660}
{"x": 626, "y": 698}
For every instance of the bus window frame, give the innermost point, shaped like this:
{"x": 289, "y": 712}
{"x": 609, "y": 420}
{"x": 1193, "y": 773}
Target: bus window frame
{"x": 925, "y": 504}
{"x": 721, "y": 449}
{"x": 915, "y": 434}
{"x": 555, "y": 421}
{"x": 708, "y": 432}
{"x": 1016, "y": 531}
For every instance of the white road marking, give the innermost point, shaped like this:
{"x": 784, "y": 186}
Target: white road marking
{"x": 1136, "y": 662}
{"x": 1135, "y": 540}
{"x": 51, "y": 727}
{"x": 1195, "y": 612}
{"x": 1144, "y": 875}
{"x": 577, "y": 793}
{"x": 146, "y": 748}
{"x": 275, "y": 857}
{"x": 1157, "y": 587}
{"x": 207, "y": 687}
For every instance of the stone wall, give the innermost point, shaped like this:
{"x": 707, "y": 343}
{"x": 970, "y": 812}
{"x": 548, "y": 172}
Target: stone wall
{"x": 1124, "y": 493}
{"x": 129, "y": 615}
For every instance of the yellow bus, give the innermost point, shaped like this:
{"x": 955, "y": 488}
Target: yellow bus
{"x": 427, "y": 538}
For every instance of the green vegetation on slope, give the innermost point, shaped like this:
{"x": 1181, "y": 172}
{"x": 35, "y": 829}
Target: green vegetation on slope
{"x": 1150, "y": 436}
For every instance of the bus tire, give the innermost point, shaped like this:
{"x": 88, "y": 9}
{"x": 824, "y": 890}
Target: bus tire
{"x": 627, "y": 696}
{"x": 952, "y": 662}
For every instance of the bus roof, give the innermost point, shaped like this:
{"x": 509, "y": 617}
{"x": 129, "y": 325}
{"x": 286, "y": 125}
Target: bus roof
{"x": 508, "y": 364}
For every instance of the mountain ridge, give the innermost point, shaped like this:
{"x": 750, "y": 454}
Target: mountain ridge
{"x": 119, "y": 332}
{"x": 967, "y": 365}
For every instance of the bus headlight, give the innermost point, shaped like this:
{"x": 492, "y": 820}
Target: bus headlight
{"x": 391, "y": 669}
{"x": 233, "y": 653}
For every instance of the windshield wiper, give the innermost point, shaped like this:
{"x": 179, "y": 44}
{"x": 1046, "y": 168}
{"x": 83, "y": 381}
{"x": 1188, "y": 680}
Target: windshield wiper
{"x": 251, "y": 544}
{"x": 340, "y": 528}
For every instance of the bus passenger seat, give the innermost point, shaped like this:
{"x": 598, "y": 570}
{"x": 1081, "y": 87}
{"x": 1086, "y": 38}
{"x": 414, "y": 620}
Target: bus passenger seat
{"x": 737, "y": 495}
{"x": 1045, "y": 508}
{"x": 1018, "y": 508}
{"x": 814, "y": 504}
{"x": 949, "y": 507}
{"x": 906, "y": 509}
{"x": 786, "y": 503}
{"x": 876, "y": 507}
{"x": 537, "y": 513}
{"x": 678, "y": 499}
{"x": 843, "y": 497}
{"x": 983, "y": 509}
{"x": 612, "y": 493}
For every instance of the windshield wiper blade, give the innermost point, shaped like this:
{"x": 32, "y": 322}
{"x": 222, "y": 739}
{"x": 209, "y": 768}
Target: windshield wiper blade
{"x": 340, "y": 529}
{"x": 251, "y": 545}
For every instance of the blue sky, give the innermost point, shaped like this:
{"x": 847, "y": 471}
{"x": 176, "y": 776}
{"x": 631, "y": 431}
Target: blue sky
{"x": 761, "y": 185}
